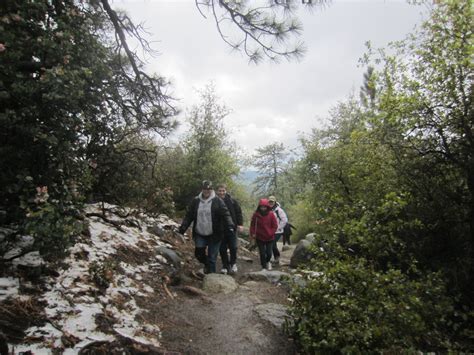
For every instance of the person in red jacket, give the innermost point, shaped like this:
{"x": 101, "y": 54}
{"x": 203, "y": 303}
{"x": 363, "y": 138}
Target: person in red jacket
{"x": 263, "y": 226}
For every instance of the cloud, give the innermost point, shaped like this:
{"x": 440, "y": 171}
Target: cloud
{"x": 271, "y": 102}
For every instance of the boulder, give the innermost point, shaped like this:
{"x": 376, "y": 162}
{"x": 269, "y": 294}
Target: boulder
{"x": 169, "y": 255}
{"x": 157, "y": 230}
{"x": 273, "y": 313}
{"x": 310, "y": 237}
{"x": 302, "y": 253}
{"x": 218, "y": 283}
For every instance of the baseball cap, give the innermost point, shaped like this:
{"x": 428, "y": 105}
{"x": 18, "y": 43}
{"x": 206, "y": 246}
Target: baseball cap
{"x": 206, "y": 185}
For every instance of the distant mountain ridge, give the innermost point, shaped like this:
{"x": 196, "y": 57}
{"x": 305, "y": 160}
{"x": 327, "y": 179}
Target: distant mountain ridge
{"x": 248, "y": 177}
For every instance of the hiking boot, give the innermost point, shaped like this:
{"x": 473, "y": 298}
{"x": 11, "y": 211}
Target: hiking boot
{"x": 224, "y": 271}
{"x": 234, "y": 268}
{"x": 269, "y": 266}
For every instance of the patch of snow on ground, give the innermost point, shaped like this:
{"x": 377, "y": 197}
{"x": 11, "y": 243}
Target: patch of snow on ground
{"x": 73, "y": 300}
{"x": 8, "y": 287}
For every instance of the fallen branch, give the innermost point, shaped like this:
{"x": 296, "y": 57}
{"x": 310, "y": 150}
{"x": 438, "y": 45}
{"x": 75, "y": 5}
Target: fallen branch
{"x": 114, "y": 223}
{"x": 166, "y": 281}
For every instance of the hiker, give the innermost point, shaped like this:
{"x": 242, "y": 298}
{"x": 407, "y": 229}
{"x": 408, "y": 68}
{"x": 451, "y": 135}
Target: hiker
{"x": 211, "y": 221}
{"x": 229, "y": 242}
{"x": 287, "y": 232}
{"x": 263, "y": 227}
{"x": 282, "y": 221}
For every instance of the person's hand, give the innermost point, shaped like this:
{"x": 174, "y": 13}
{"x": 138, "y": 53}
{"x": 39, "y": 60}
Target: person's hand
{"x": 240, "y": 229}
{"x": 181, "y": 230}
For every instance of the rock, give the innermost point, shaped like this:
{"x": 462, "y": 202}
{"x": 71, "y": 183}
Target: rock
{"x": 310, "y": 237}
{"x": 285, "y": 248}
{"x": 156, "y": 230}
{"x": 302, "y": 254}
{"x": 218, "y": 283}
{"x": 169, "y": 255}
{"x": 5, "y": 233}
{"x": 179, "y": 236}
{"x": 246, "y": 259}
{"x": 273, "y": 313}
{"x": 20, "y": 244}
{"x": 265, "y": 275}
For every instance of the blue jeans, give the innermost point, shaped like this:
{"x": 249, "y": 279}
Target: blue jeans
{"x": 229, "y": 242}
{"x": 265, "y": 251}
{"x": 209, "y": 259}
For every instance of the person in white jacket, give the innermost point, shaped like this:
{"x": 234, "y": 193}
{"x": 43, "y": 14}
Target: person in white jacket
{"x": 282, "y": 221}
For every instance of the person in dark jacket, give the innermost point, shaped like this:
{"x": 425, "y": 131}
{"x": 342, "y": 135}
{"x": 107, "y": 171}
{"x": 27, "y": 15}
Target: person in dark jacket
{"x": 211, "y": 221}
{"x": 230, "y": 240}
{"x": 263, "y": 226}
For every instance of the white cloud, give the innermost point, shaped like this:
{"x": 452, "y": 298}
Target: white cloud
{"x": 271, "y": 102}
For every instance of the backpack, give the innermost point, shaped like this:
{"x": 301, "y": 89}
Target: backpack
{"x": 287, "y": 228}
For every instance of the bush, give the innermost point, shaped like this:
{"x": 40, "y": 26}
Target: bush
{"x": 53, "y": 225}
{"x": 351, "y": 308}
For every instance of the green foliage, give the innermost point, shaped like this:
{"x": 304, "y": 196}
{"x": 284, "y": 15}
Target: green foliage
{"x": 391, "y": 201}
{"x": 52, "y": 224}
{"x": 69, "y": 99}
{"x": 350, "y": 307}
{"x": 209, "y": 154}
{"x": 270, "y": 162}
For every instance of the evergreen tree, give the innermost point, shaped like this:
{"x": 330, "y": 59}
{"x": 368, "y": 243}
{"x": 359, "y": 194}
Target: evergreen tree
{"x": 270, "y": 162}
{"x": 209, "y": 153}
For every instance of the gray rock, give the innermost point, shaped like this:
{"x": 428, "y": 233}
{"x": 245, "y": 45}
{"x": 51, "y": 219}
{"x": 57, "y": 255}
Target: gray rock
{"x": 31, "y": 264}
{"x": 270, "y": 276}
{"x": 169, "y": 255}
{"x": 218, "y": 283}
{"x": 302, "y": 254}
{"x": 285, "y": 248}
{"x": 32, "y": 259}
{"x": 310, "y": 237}
{"x": 5, "y": 232}
{"x": 246, "y": 259}
{"x": 273, "y": 313}
{"x": 156, "y": 230}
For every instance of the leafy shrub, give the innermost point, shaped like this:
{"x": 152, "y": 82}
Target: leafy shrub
{"x": 52, "y": 224}
{"x": 352, "y": 308}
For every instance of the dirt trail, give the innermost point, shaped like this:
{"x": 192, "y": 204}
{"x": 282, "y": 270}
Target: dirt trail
{"x": 225, "y": 324}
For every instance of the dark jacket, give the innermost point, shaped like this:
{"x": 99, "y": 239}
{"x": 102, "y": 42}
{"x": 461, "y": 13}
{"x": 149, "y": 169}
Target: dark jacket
{"x": 221, "y": 218}
{"x": 234, "y": 209}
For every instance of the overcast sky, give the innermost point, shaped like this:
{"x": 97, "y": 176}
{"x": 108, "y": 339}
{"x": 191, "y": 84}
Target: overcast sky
{"x": 270, "y": 102}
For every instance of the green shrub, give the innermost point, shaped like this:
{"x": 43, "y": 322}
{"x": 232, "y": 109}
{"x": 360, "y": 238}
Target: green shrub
{"x": 53, "y": 225}
{"x": 351, "y": 308}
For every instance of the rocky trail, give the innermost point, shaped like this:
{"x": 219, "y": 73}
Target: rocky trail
{"x": 244, "y": 320}
{"x": 130, "y": 285}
